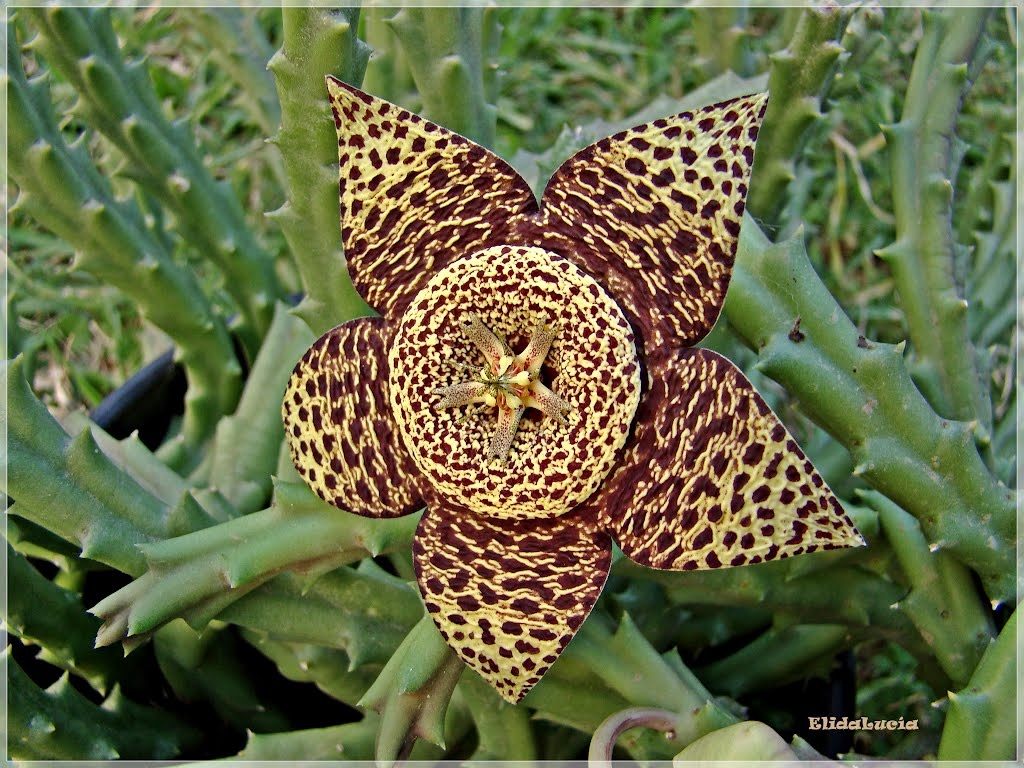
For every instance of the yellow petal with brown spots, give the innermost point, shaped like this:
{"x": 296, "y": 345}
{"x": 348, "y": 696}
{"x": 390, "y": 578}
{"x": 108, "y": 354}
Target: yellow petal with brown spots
{"x": 654, "y": 213}
{"x": 712, "y": 478}
{"x": 338, "y": 423}
{"x": 508, "y": 595}
{"x": 414, "y": 197}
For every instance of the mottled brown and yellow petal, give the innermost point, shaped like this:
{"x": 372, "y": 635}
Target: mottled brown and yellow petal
{"x": 508, "y": 595}
{"x": 339, "y": 427}
{"x": 712, "y": 478}
{"x": 654, "y": 213}
{"x": 414, "y": 197}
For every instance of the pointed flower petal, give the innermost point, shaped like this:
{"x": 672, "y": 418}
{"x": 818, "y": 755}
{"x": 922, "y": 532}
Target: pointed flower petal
{"x": 339, "y": 426}
{"x": 414, "y": 197}
{"x": 654, "y": 212}
{"x": 508, "y": 595}
{"x": 713, "y": 479}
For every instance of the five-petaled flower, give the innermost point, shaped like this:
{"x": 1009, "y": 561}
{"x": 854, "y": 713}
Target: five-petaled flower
{"x": 532, "y": 379}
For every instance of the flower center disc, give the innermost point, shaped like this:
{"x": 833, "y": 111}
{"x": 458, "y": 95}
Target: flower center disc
{"x": 553, "y": 463}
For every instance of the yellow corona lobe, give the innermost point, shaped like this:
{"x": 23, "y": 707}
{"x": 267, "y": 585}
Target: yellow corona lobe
{"x": 512, "y": 385}
{"x": 465, "y": 401}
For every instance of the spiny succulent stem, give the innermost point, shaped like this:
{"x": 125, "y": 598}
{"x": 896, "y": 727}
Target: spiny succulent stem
{"x": 445, "y": 50}
{"x": 864, "y": 397}
{"x": 798, "y": 81}
{"x": 317, "y": 42}
{"x": 924, "y": 255}
{"x": 62, "y": 189}
{"x": 117, "y": 99}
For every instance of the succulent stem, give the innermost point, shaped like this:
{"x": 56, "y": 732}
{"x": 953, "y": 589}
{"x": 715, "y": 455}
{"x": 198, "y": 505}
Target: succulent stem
{"x": 924, "y": 255}
{"x": 198, "y": 575}
{"x": 943, "y": 602}
{"x": 59, "y": 723}
{"x": 449, "y": 52}
{"x": 61, "y": 188}
{"x": 412, "y": 692}
{"x": 244, "y": 452}
{"x": 799, "y": 78}
{"x": 317, "y": 42}
{"x": 42, "y": 613}
{"x": 861, "y": 394}
{"x": 982, "y": 721}
{"x": 117, "y": 99}
{"x": 71, "y": 488}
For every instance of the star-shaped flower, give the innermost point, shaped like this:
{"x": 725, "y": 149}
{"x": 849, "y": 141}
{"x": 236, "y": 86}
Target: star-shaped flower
{"x": 532, "y": 379}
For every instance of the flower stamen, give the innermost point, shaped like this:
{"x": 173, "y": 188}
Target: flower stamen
{"x": 511, "y": 383}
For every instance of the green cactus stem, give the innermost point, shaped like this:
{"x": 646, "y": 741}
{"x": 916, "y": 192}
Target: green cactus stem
{"x": 412, "y": 692}
{"x": 352, "y": 741}
{"x": 942, "y": 601}
{"x": 206, "y": 667}
{"x": 59, "y": 723}
{"x": 239, "y": 47}
{"x": 32, "y": 540}
{"x": 859, "y": 391}
{"x": 117, "y": 99}
{"x": 603, "y": 672}
{"x": 317, "y": 42}
{"x": 982, "y": 723}
{"x": 450, "y": 52}
{"x": 721, "y": 35}
{"x": 799, "y": 78}
{"x": 503, "y": 730}
{"x": 327, "y": 668}
{"x": 366, "y": 612}
{"x": 245, "y": 449}
{"x": 991, "y": 281}
{"x": 198, "y": 575}
{"x": 778, "y": 656}
{"x": 846, "y": 594}
{"x": 61, "y": 189}
{"x": 147, "y": 469}
{"x": 44, "y": 614}
{"x": 387, "y": 72}
{"x": 69, "y": 486}
{"x": 924, "y": 254}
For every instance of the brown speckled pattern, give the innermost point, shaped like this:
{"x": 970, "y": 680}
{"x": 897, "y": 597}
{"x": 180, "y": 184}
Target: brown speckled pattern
{"x": 340, "y": 432}
{"x": 654, "y": 213}
{"x": 630, "y": 252}
{"x": 712, "y": 478}
{"x": 414, "y": 197}
{"x": 592, "y": 365}
{"x": 508, "y": 595}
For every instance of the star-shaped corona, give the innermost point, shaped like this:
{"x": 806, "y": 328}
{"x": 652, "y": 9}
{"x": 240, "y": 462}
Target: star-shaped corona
{"x": 532, "y": 383}
{"x": 507, "y": 382}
